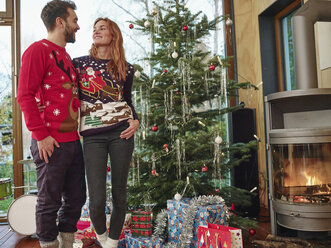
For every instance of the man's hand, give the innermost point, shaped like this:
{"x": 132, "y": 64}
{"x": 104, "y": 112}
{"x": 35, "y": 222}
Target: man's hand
{"x": 127, "y": 133}
{"x": 40, "y": 107}
{"x": 46, "y": 147}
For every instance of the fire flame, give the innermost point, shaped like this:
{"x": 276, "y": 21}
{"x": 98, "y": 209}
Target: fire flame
{"x": 311, "y": 180}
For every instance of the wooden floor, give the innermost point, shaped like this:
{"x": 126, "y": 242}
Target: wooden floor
{"x": 14, "y": 240}
{"x": 10, "y": 239}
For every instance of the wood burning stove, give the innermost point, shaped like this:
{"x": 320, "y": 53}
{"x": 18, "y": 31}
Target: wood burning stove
{"x": 298, "y": 127}
{"x": 299, "y": 151}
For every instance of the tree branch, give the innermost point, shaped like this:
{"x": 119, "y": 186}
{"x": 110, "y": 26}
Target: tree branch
{"x": 124, "y": 10}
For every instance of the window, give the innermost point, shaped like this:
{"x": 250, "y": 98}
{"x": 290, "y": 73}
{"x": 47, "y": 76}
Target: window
{"x": 6, "y": 106}
{"x": 6, "y": 9}
{"x": 284, "y": 46}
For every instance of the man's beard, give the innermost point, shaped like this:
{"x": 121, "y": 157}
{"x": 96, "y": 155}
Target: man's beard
{"x": 69, "y": 35}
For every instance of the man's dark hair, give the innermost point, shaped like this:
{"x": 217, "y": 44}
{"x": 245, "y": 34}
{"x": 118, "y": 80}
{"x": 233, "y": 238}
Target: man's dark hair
{"x": 54, "y": 9}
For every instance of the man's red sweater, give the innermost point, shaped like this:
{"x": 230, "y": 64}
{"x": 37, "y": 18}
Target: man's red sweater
{"x": 48, "y": 75}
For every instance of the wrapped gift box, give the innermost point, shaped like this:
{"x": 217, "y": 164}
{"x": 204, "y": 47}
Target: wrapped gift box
{"x": 235, "y": 234}
{"x": 175, "y": 217}
{"x": 140, "y": 242}
{"x": 210, "y": 237}
{"x": 209, "y": 213}
{"x": 141, "y": 232}
{"x": 141, "y": 223}
{"x": 138, "y": 216}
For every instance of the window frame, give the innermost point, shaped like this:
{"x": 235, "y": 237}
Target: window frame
{"x": 9, "y": 11}
{"x": 9, "y": 19}
{"x": 278, "y": 40}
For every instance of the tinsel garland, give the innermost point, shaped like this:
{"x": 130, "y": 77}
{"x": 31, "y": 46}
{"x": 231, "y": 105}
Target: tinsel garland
{"x": 161, "y": 224}
{"x": 189, "y": 214}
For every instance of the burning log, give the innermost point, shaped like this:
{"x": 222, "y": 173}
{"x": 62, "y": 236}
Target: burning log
{"x": 274, "y": 244}
{"x": 282, "y": 242}
{"x": 305, "y": 243}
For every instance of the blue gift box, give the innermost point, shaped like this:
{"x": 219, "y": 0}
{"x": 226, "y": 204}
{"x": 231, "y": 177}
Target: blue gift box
{"x": 122, "y": 243}
{"x": 140, "y": 242}
{"x": 210, "y": 213}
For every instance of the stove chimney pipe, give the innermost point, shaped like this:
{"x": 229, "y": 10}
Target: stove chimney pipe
{"x": 304, "y": 40}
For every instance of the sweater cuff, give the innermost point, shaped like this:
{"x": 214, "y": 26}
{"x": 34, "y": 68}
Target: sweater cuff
{"x": 40, "y": 134}
{"x": 135, "y": 116}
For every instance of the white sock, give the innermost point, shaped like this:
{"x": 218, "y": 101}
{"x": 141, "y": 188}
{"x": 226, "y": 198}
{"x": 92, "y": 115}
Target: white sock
{"x": 66, "y": 239}
{"x": 52, "y": 244}
{"x": 102, "y": 238}
{"x": 111, "y": 243}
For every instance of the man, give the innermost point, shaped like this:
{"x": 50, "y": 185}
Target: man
{"x": 48, "y": 75}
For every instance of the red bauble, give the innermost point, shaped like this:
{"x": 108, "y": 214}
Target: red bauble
{"x": 185, "y": 27}
{"x": 154, "y": 128}
{"x": 165, "y": 71}
{"x": 131, "y": 26}
{"x": 108, "y": 168}
{"x": 165, "y": 146}
{"x": 252, "y": 231}
{"x": 211, "y": 67}
{"x": 154, "y": 173}
{"x": 233, "y": 207}
{"x": 204, "y": 168}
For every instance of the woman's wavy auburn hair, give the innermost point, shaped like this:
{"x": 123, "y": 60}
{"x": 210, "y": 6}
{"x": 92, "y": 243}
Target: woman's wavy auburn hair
{"x": 117, "y": 65}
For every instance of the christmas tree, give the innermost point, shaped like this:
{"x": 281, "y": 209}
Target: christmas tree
{"x": 182, "y": 149}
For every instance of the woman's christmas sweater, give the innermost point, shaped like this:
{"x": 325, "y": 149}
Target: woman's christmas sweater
{"x": 47, "y": 75}
{"x": 105, "y": 102}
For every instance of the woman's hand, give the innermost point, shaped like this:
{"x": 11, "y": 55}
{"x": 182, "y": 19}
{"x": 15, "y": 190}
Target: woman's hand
{"x": 127, "y": 133}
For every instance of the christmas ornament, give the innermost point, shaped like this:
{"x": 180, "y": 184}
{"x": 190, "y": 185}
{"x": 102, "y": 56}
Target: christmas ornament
{"x": 201, "y": 123}
{"x": 212, "y": 68}
{"x": 154, "y": 11}
{"x": 177, "y": 197}
{"x": 204, "y": 168}
{"x": 165, "y": 71}
{"x": 252, "y": 231}
{"x": 228, "y": 22}
{"x": 137, "y": 74}
{"x": 154, "y": 173}
{"x": 165, "y": 147}
{"x": 179, "y": 156}
{"x": 147, "y": 24}
{"x": 174, "y": 55}
{"x": 108, "y": 168}
{"x": 218, "y": 140}
{"x": 131, "y": 26}
{"x": 154, "y": 128}
{"x": 185, "y": 27}
{"x": 233, "y": 207}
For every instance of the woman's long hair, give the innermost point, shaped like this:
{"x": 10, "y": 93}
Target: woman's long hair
{"x": 116, "y": 67}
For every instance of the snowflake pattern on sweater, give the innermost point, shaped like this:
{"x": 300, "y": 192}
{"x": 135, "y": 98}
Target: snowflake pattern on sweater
{"x": 105, "y": 102}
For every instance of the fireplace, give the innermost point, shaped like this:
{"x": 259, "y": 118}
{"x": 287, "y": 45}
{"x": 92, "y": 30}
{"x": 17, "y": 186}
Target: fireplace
{"x": 298, "y": 125}
{"x": 299, "y": 151}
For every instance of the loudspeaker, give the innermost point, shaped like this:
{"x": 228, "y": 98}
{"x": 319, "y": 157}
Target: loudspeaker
{"x": 246, "y": 175}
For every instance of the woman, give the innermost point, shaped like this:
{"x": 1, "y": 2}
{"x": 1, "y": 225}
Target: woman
{"x": 108, "y": 122}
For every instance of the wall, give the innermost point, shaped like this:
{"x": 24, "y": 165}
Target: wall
{"x": 323, "y": 53}
{"x": 249, "y": 69}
